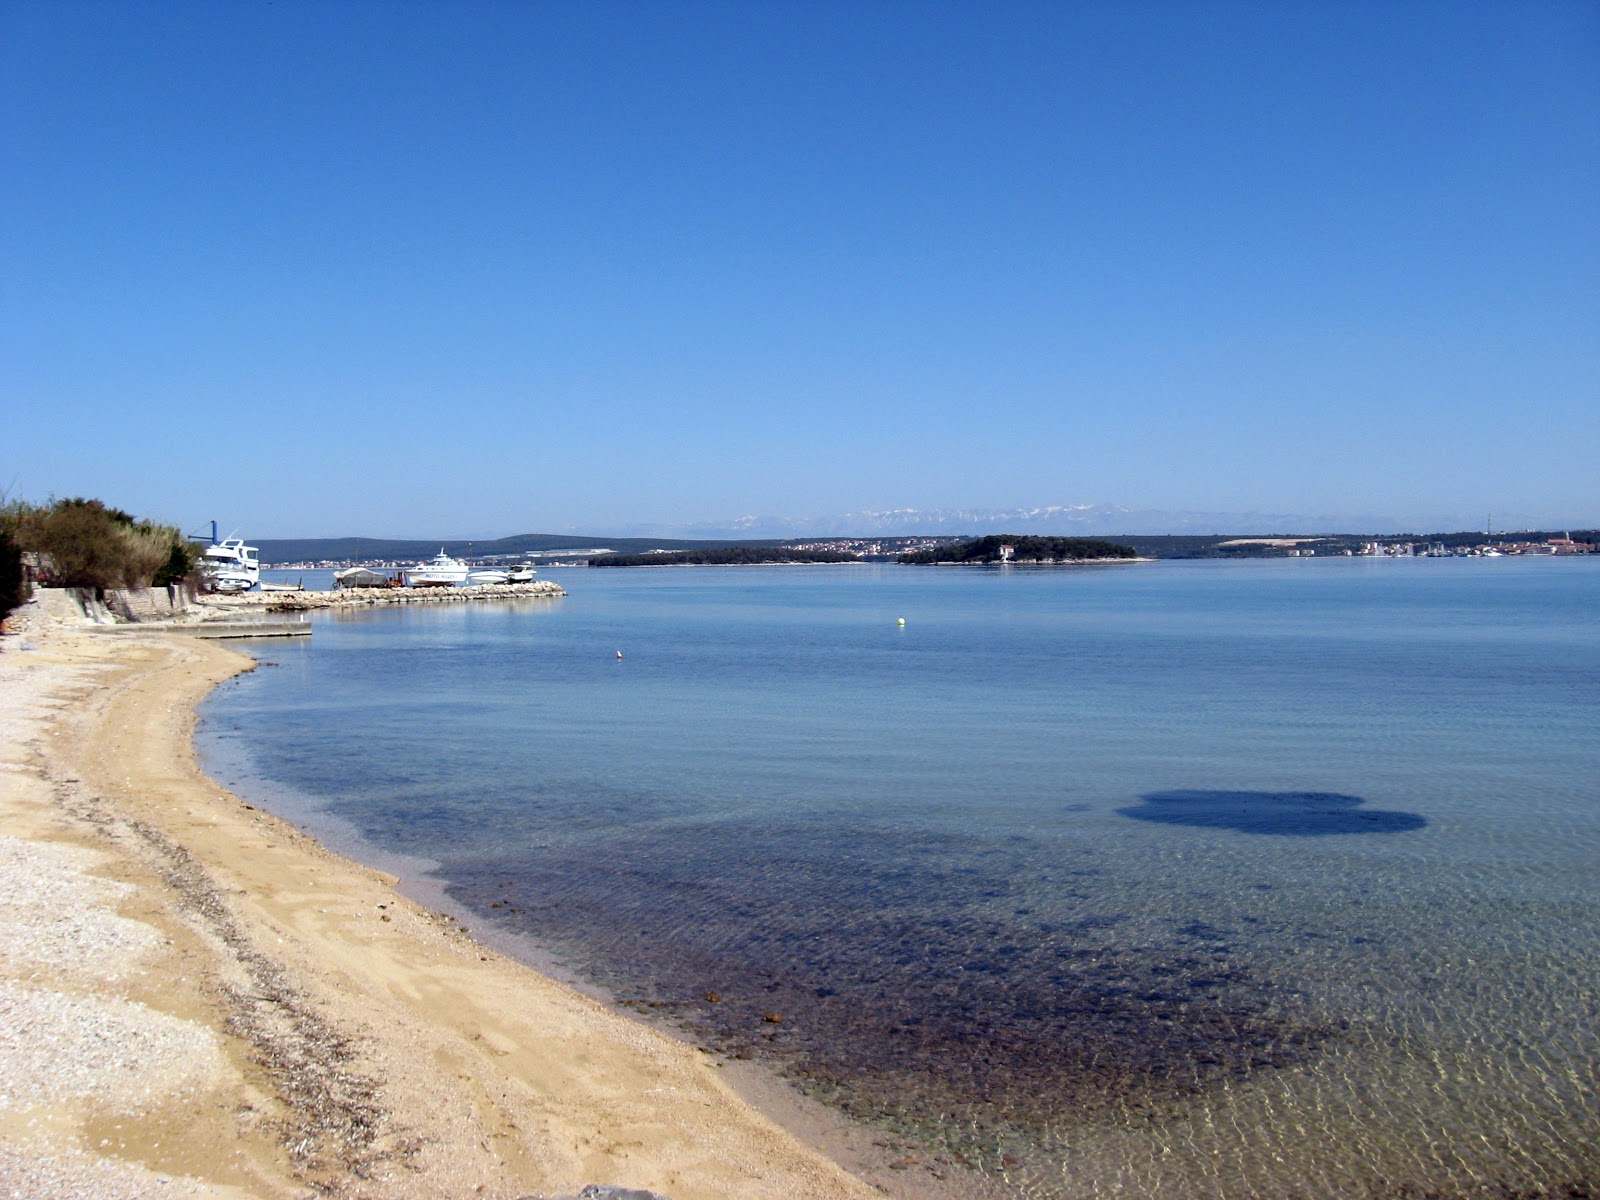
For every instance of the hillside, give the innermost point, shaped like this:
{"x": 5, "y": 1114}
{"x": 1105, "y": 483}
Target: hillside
{"x": 1247, "y": 544}
{"x": 365, "y": 549}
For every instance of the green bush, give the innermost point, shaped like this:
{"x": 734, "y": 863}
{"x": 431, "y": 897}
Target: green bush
{"x": 182, "y": 565}
{"x": 13, "y": 591}
{"x": 84, "y": 543}
{"x": 1025, "y": 548}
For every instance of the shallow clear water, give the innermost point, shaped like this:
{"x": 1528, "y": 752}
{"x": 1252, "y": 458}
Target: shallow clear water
{"x": 1180, "y": 879}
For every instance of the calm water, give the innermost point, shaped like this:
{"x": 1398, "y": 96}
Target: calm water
{"x": 1227, "y": 880}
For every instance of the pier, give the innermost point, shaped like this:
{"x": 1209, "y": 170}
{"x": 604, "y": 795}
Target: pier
{"x": 243, "y": 628}
{"x": 362, "y": 597}
{"x": 264, "y": 614}
{"x": 299, "y": 602}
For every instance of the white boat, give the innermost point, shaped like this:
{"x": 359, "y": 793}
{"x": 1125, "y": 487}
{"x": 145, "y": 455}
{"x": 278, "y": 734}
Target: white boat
{"x": 520, "y": 574}
{"x": 229, "y": 565}
{"x": 439, "y": 571}
{"x": 483, "y": 575}
{"x": 354, "y": 577}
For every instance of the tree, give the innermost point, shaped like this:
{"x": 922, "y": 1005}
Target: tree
{"x": 1024, "y": 548}
{"x": 84, "y": 543}
{"x": 12, "y": 588}
{"x": 182, "y": 565}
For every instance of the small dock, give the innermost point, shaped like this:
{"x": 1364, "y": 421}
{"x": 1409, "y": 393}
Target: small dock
{"x": 272, "y": 627}
{"x": 280, "y": 603}
{"x": 287, "y": 602}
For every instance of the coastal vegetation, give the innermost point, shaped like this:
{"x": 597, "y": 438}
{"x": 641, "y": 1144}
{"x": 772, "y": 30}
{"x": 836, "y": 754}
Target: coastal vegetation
{"x": 11, "y": 587}
{"x": 723, "y": 556}
{"x": 87, "y": 544}
{"x": 1023, "y": 549}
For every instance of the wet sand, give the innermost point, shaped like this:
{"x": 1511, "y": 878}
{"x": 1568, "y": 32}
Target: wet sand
{"x": 198, "y": 999}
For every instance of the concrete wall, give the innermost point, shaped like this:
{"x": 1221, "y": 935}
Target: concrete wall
{"x": 127, "y": 604}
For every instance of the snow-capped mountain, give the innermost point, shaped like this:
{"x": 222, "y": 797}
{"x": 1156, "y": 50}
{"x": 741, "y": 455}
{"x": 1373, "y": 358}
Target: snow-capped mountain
{"x": 1051, "y": 519}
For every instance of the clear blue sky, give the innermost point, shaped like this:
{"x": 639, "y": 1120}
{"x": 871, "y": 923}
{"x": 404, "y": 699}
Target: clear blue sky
{"x": 478, "y": 268}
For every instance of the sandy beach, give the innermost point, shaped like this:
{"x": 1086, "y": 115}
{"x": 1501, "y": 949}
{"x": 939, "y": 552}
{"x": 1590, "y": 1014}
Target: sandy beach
{"x": 198, "y": 999}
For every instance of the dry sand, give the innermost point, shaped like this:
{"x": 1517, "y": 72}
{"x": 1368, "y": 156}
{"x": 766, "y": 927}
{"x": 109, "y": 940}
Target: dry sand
{"x": 197, "y": 999}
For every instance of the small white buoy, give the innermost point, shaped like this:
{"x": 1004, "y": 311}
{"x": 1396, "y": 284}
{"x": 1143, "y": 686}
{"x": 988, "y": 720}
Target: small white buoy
{"x": 619, "y": 655}
{"x": 902, "y": 620}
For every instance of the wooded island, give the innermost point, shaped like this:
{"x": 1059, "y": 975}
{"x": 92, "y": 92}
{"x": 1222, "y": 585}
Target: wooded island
{"x": 1000, "y": 548}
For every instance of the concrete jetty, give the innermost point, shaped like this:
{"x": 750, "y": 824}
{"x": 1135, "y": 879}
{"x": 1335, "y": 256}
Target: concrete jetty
{"x": 253, "y": 614}
{"x": 264, "y": 627}
{"x": 294, "y": 602}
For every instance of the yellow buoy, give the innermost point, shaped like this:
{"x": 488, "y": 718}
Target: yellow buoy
{"x": 902, "y": 620}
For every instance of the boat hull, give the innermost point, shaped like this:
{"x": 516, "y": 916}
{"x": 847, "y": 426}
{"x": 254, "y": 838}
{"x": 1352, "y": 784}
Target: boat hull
{"x": 231, "y": 566}
{"x": 439, "y": 571}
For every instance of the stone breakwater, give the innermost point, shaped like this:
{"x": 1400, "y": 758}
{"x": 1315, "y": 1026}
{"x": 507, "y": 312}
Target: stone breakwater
{"x": 361, "y": 597}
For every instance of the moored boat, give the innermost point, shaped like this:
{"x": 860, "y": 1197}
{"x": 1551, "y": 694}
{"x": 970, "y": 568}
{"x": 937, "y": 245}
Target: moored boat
{"x": 486, "y": 575}
{"x": 354, "y": 577}
{"x": 229, "y": 565}
{"x": 439, "y": 571}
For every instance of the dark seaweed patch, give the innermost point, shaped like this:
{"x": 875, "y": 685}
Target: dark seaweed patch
{"x": 1295, "y": 814}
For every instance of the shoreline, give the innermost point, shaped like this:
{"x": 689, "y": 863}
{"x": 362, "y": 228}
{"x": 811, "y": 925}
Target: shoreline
{"x": 894, "y": 1165}
{"x": 308, "y": 1026}
{"x": 367, "y": 597}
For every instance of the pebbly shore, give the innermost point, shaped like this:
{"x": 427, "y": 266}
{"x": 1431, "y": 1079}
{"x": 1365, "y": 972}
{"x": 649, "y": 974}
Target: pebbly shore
{"x": 198, "y": 999}
{"x": 362, "y": 597}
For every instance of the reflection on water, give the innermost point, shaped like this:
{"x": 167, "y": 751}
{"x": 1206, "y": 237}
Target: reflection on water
{"x": 898, "y": 862}
{"x": 1290, "y": 814}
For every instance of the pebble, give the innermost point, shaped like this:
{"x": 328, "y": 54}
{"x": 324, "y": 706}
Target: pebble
{"x": 75, "y": 1175}
{"x": 67, "y": 1037}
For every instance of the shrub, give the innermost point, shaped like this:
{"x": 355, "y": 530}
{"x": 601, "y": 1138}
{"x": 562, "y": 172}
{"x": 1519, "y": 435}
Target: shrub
{"x": 83, "y": 543}
{"x": 182, "y": 565}
{"x": 146, "y": 548}
{"x": 13, "y": 591}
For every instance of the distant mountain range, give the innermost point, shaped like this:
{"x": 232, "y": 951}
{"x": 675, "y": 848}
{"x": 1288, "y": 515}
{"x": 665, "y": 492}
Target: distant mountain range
{"x": 1052, "y": 520}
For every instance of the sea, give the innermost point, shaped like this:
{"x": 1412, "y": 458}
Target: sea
{"x": 1269, "y": 878}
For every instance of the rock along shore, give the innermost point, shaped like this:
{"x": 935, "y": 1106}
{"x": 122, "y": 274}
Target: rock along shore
{"x": 359, "y": 597}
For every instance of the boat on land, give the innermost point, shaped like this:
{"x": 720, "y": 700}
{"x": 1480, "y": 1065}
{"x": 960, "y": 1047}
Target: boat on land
{"x": 486, "y": 575}
{"x": 439, "y": 571}
{"x": 229, "y": 565}
{"x": 354, "y": 577}
{"x": 298, "y": 586}
{"x": 522, "y": 573}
